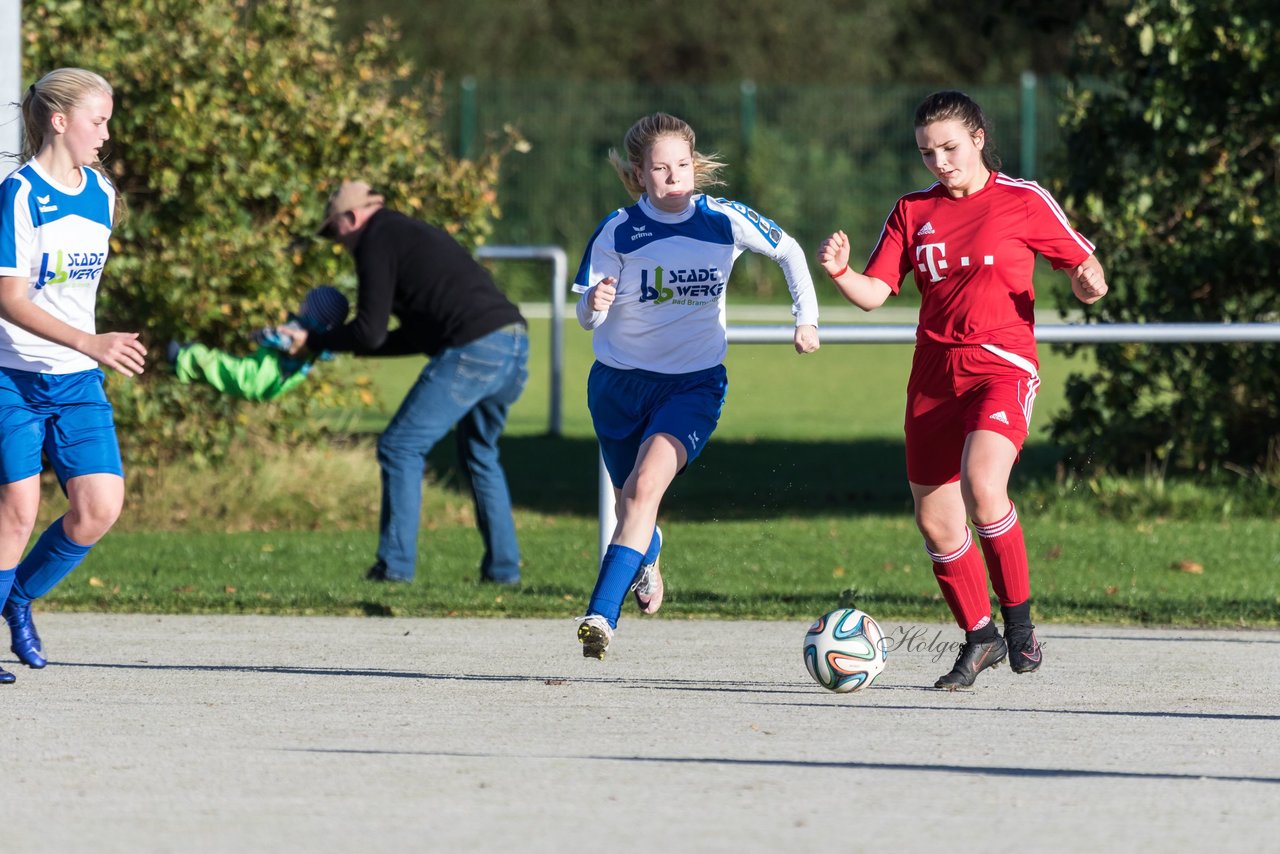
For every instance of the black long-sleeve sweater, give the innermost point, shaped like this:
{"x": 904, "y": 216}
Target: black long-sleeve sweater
{"x": 417, "y": 272}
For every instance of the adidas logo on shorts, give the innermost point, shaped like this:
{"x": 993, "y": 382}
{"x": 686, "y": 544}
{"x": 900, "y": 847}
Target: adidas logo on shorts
{"x": 1001, "y": 417}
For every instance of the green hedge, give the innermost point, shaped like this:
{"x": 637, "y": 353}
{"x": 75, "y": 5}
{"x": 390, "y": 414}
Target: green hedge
{"x": 232, "y": 121}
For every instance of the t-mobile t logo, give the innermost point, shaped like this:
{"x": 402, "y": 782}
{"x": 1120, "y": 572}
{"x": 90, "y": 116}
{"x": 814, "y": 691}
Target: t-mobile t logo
{"x": 932, "y": 255}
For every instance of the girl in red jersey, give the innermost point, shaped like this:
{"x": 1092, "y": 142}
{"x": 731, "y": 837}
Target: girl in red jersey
{"x": 970, "y": 242}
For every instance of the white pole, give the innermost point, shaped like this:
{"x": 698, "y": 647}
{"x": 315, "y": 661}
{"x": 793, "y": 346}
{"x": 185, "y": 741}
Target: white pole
{"x": 559, "y": 272}
{"x": 10, "y": 83}
{"x": 1058, "y": 333}
{"x": 608, "y": 514}
{"x": 1046, "y": 333}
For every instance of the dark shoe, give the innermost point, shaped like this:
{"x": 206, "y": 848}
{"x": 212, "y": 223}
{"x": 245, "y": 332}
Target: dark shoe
{"x": 974, "y": 657}
{"x": 1024, "y": 648}
{"x": 506, "y": 582}
{"x": 7, "y": 678}
{"x": 378, "y": 572}
{"x": 26, "y": 642}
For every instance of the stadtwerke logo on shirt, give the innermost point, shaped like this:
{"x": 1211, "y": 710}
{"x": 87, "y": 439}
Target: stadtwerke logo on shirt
{"x": 691, "y": 286}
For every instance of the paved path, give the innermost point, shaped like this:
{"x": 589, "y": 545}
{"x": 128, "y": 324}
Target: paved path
{"x": 321, "y": 734}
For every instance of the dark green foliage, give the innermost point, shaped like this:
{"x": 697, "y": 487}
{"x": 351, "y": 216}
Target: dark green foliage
{"x": 820, "y": 140}
{"x": 675, "y": 41}
{"x": 1173, "y": 145}
{"x": 233, "y": 119}
{"x": 814, "y": 158}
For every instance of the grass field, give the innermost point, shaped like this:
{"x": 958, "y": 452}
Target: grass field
{"x": 799, "y": 504}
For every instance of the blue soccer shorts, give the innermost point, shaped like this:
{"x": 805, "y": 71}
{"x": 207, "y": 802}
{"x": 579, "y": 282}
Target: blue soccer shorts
{"x": 65, "y": 416}
{"x": 627, "y": 407}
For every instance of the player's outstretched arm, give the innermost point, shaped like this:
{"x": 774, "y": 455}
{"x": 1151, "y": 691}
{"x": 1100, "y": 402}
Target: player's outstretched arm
{"x": 865, "y": 292}
{"x": 120, "y": 351}
{"x": 1088, "y": 282}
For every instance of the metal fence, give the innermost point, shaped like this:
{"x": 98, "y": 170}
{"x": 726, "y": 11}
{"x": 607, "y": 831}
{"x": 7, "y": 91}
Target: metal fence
{"x": 812, "y": 158}
{"x": 1078, "y": 333}
{"x": 861, "y": 333}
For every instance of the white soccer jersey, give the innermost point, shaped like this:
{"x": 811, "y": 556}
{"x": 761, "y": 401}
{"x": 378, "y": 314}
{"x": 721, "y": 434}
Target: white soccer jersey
{"x": 671, "y": 270}
{"x": 55, "y": 237}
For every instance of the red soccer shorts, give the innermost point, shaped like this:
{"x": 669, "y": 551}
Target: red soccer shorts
{"x": 954, "y": 391}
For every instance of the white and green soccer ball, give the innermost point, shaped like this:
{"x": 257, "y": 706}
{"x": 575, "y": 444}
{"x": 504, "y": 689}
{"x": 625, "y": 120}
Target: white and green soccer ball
{"x": 845, "y": 650}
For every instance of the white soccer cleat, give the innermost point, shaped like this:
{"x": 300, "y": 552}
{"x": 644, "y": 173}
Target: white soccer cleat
{"x": 594, "y": 633}
{"x": 648, "y": 586}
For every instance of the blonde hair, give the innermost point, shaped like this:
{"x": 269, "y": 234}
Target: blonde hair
{"x": 643, "y": 135}
{"x": 61, "y": 91}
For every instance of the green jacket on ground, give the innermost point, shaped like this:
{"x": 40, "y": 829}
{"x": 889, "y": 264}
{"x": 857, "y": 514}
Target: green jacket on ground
{"x": 265, "y": 374}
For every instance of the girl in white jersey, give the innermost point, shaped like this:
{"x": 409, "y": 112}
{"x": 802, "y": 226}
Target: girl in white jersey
{"x": 653, "y": 282}
{"x": 56, "y": 213}
{"x": 970, "y": 242}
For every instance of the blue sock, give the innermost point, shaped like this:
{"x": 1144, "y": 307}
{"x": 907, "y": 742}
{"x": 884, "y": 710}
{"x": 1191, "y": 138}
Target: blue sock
{"x": 6, "y": 583}
{"x": 655, "y": 547}
{"x": 616, "y": 571}
{"x": 651, "y": 554}
{"x": 50, "y": 560}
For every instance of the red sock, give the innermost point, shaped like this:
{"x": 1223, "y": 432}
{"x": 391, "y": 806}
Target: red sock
{"x": 1006, "y": 555}
{"x": 964, "y": 584}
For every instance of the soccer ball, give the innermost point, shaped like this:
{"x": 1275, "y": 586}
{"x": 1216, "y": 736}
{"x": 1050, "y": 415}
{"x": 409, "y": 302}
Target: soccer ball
{"x": 845, "y": 650}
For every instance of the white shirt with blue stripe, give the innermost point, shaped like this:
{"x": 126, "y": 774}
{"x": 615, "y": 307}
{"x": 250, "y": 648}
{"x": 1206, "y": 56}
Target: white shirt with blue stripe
{"x": 56, "y": 237}
{"x": 672, "y": 271}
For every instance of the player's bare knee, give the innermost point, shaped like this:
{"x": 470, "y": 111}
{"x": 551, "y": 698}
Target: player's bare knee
{"x": 16, "y": 528}
{"x": 985, "y": 501}
{"x": 642, "y": 503}
{"x": 17, "y": 521}
{"x": 646, "y": 487}
{"x": 89, "y": 521}
{"x": 941, "y": 536}
{"x": 989, "y": 508}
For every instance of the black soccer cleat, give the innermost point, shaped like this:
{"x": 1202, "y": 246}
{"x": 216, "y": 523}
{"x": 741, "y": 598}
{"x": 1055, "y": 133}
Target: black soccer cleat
{"x": 1024, "y": 649}
{"x": 974, "y": 657}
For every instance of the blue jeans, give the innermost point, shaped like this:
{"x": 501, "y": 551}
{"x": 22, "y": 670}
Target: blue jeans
{"x": 473, "y": 387}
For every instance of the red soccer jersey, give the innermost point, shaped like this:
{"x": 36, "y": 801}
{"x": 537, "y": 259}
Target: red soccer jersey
{"x": 973, "y": 257}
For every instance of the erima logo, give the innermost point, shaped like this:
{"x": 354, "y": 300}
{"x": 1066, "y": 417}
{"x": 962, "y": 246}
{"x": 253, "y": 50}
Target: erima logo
{"x": 1001, "y": 417}
{"x": 45, "y": 207}
{"x": 44, "y": 200}
{"x": 925, "y": 229}
{"x": 640, "y": 231}
{"x": 693, "y": 438}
